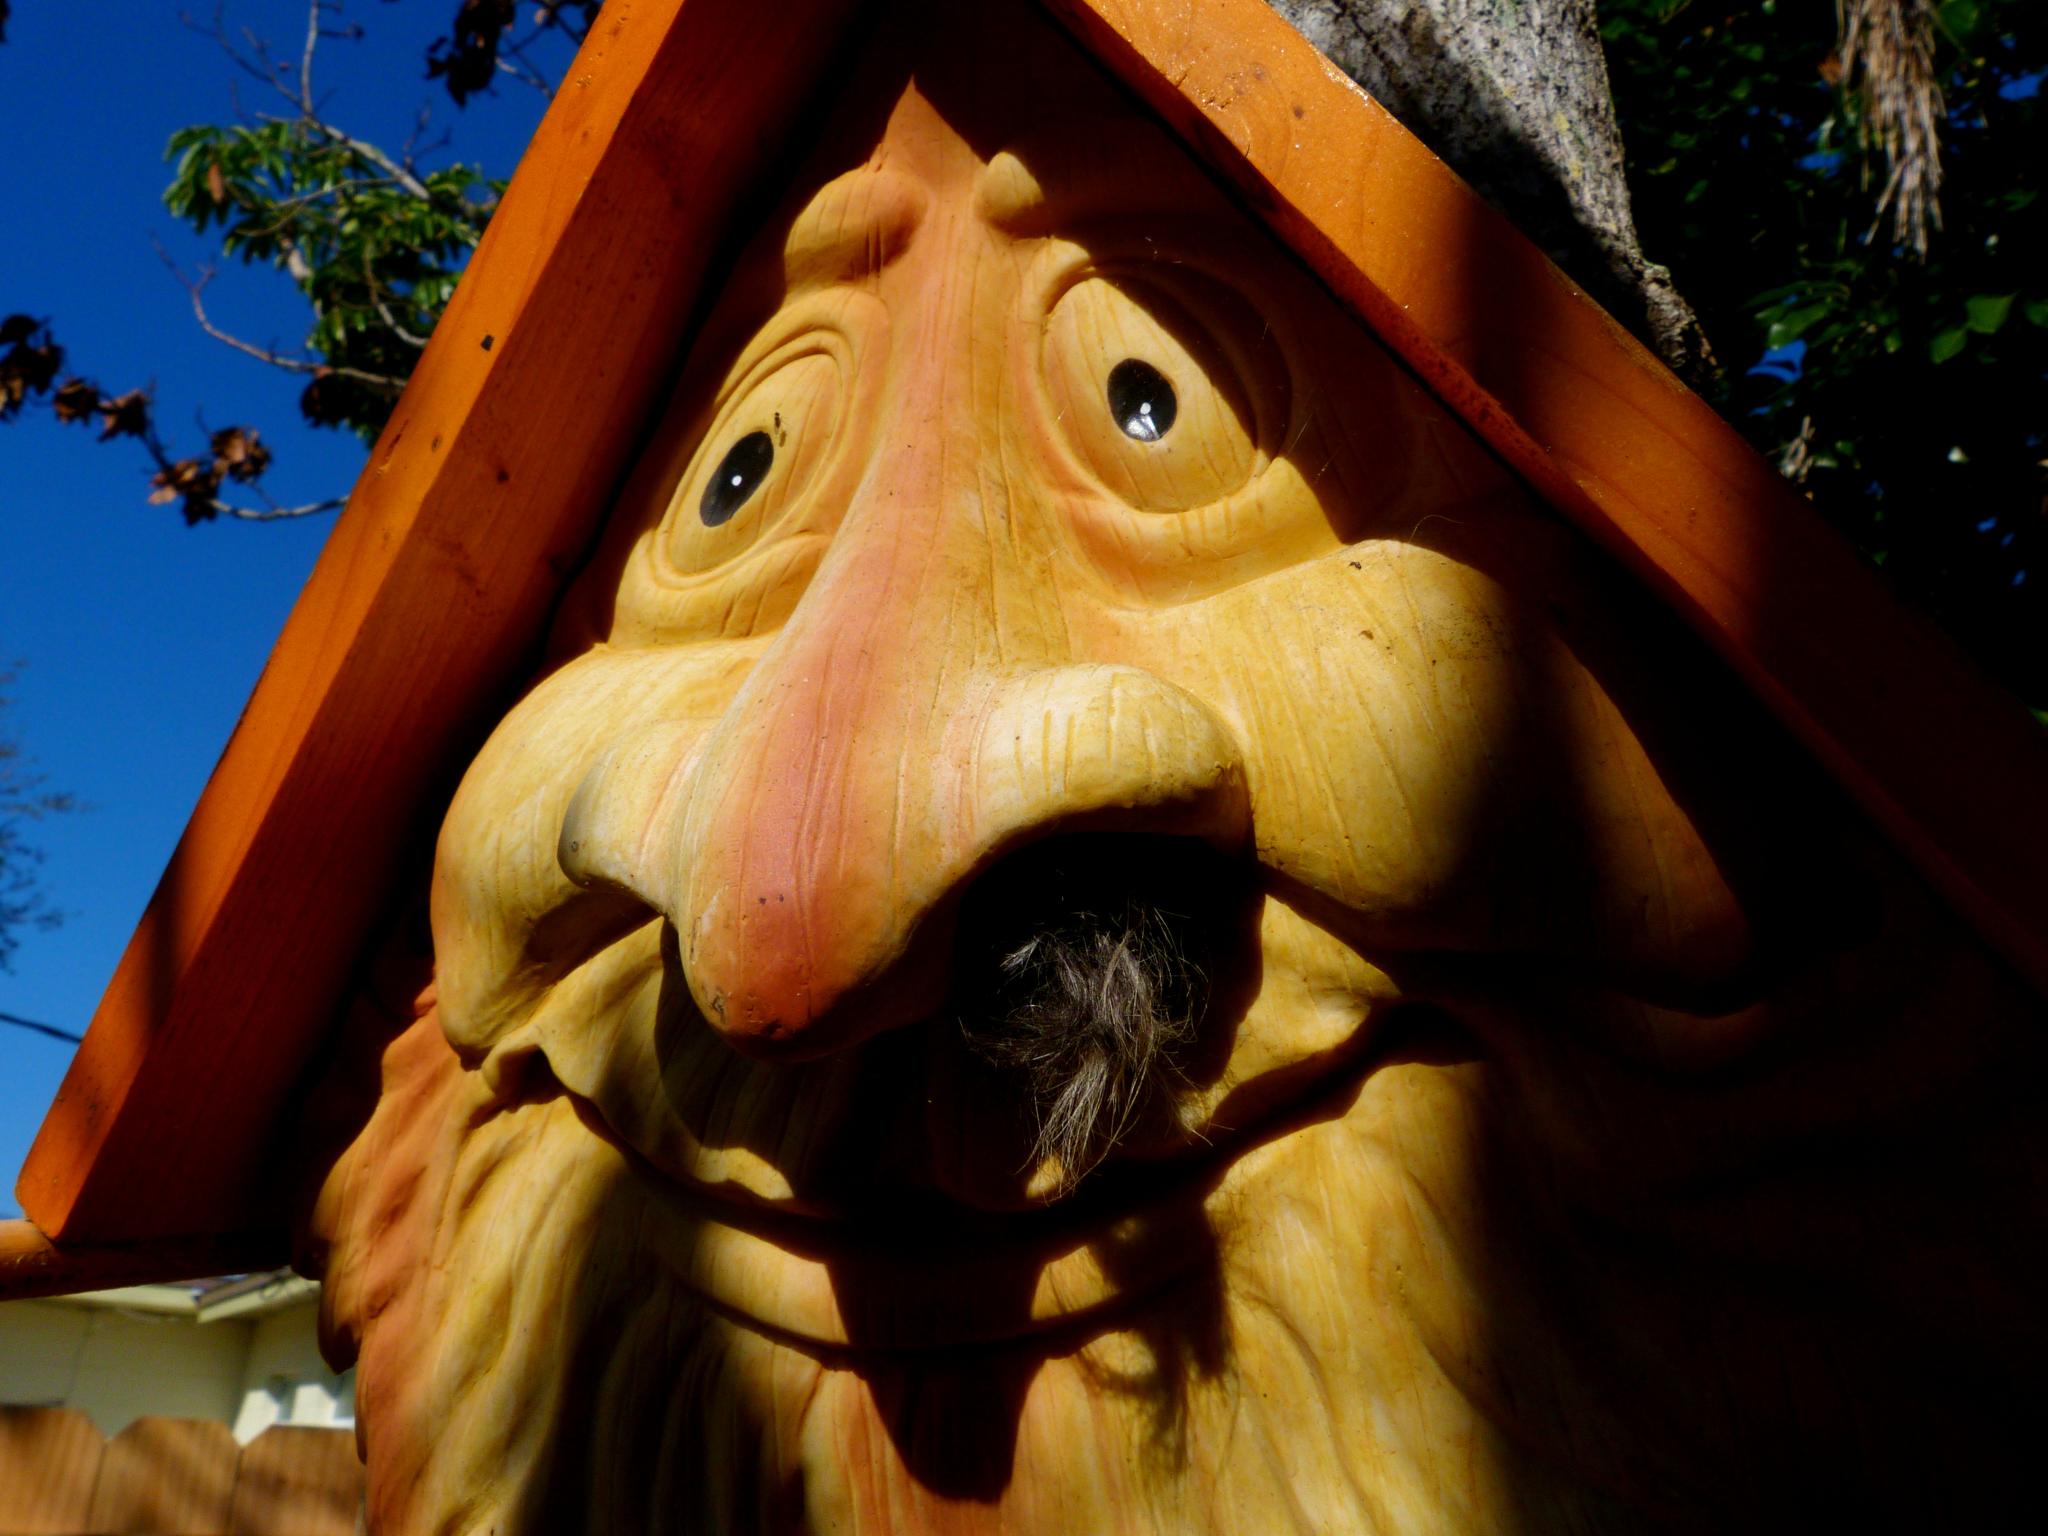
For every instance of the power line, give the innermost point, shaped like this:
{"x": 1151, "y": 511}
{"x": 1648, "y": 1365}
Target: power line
{"x": 42, "y": 1029}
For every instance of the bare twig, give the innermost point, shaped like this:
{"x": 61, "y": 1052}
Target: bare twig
{"x": 370, "y": 152}
{"x": 557, "y": 16}
{"x": 410, "y": 151}
{"x": 512, "y": 59}
{"x": 383, "y": 312}
{"x": 41, "y": 1028}
{"x": 195, "y": 288}
{"x": 277, "y": 514}
{"x": 524, "y": 73}
{"x": 305, "y": 108}
{"x": 306, "y": 56}
{"x": 320, "y": 194}
{"x": 168, "y": 469}
{"x": 219, "y": 33}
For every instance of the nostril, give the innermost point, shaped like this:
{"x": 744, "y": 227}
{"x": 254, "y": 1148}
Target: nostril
{"x": 588, "y": 847}
{"x": 619, "y": 822}
{"x": 520, "y": 1075}
{"x": 561, "y": 942}
{"x": 1083, "y": 969}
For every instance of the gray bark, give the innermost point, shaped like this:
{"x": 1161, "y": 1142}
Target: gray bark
{"x": 1513, "y": 94}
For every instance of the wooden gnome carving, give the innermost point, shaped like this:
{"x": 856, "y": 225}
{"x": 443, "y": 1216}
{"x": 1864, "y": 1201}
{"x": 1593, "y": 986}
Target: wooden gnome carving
{"x": 1102, "y": 925}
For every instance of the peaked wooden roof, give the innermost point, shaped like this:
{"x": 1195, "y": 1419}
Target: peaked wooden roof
{"x": 425, "y": 609}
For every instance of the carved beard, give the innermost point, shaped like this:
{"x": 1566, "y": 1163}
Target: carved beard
{"x": 529, "y": 1361}
{"x": 1411, "y": 1313}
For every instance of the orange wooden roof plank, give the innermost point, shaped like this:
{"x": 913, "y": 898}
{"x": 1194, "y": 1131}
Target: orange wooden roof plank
{"x": 31, "y": 1265}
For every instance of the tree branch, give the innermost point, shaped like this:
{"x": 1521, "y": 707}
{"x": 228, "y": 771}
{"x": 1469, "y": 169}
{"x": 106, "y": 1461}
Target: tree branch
{"x": 373, "y": 154}
{"x": 194, "y": 290}
{"x": 306, "y": 56}
{"x": 383, "y": 312}
{"x": 278, "y": 514}
{"x": 41, "y": 1028}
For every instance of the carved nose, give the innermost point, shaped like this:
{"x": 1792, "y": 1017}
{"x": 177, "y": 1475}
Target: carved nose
{"x": 814, "y": 875}
{"x": 803, "y": 877}
{"x": 811, "y": 847}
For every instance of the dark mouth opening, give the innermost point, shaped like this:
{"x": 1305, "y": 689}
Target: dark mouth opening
{"x": 1085, "y": 968}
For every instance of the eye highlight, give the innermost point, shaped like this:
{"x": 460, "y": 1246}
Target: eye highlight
{"x": 1141, "y": 400}
{"x": 1163, "y": 385}
{"x": 738, "y": 476}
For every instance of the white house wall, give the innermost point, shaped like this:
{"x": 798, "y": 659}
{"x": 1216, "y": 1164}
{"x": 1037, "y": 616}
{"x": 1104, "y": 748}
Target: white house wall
{"x": 284, "y": 1380}
{"x": 117, "y": 1366}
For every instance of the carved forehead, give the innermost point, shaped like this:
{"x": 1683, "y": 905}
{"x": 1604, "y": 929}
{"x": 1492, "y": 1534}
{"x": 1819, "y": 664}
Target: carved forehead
{"x": 1013, "y": 129}
{"x": 855, "y": 226}
{"x": 1076, "y": 171}
{"x": 1052, "y": 179}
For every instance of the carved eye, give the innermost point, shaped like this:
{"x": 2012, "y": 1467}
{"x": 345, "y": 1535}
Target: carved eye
{"x": 1142, "y": 402}
{"x": 754, "y": 463}
{"x": 738, "y": 476}
{"x": 1162, "y": 390}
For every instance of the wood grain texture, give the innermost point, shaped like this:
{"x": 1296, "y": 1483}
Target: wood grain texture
{"x": 173, "y": 1477}
{"x": 165, "y": 1477}
{"x": 49, "y": 1462}
{"x": 294, "y": 1481}
{"x": 1945, "y": 762}
{"x": 476, "y": 502}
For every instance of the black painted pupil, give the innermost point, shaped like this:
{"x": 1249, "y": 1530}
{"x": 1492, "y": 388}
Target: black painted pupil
{"x": 738, "y": 475}
{"x": 1141, "y": 400}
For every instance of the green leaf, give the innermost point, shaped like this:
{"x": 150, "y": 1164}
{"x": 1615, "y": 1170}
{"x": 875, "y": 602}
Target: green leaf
{"x": 1946, "y": 344}
{"x": 1959, "y": 18}
{"x": 1788, "y": 328}
{"x": 1986, "y": 312}
{"x": 2036, "y": 310}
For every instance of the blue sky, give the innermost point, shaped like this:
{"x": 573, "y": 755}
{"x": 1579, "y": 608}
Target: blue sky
{"x": 139, "y": 639}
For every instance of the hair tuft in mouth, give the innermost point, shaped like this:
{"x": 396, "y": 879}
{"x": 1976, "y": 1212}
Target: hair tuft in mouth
{"x": 1090, "y": 985}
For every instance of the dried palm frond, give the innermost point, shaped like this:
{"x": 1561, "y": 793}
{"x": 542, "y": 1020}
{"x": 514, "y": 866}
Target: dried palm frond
{"x": 1887, "y": 53}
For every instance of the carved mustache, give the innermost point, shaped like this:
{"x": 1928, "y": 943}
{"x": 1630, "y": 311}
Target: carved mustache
{"x": 1083, "y": 979}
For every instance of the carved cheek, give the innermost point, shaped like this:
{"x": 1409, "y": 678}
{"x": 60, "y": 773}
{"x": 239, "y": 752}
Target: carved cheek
{"x": 1411, "y": 735}
{"x": 1372, "y": 720}
{"x": 1407, "y": 754}
{"x": 511, "y": 918}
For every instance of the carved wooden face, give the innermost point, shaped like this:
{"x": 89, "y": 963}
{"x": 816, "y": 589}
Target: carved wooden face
{"x": 1048, "y": 502}
{"x": 1022, "y": 495}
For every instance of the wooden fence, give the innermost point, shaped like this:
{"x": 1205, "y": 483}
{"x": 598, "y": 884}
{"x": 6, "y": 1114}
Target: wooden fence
{"x": 172, "y": 1477}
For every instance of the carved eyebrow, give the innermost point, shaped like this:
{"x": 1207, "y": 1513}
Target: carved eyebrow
{"x": 1090, "y": 169}
{"x": 855, "y": 226}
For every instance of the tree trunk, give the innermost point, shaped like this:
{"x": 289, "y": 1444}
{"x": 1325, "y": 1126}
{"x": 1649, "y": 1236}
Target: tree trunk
{"x": 1513, "y": 94}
